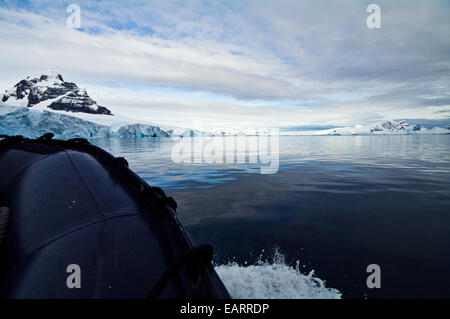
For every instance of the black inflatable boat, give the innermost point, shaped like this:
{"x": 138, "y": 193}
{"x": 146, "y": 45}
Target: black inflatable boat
{"x": 77, "y": 223}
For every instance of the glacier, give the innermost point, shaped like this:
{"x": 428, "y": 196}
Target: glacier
{"x": 34, "y": 123}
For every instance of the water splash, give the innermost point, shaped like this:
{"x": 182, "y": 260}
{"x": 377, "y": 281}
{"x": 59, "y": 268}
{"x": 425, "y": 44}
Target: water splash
{"x": 273, "y": 280}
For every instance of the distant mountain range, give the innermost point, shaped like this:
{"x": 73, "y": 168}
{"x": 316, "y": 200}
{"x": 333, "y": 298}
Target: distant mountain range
{"x": 385, "y": 128}
{"x": 44, "y": 103}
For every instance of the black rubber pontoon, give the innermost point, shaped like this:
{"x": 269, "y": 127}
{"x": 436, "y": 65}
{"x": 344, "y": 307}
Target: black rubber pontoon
{"x": 70, "y": 202}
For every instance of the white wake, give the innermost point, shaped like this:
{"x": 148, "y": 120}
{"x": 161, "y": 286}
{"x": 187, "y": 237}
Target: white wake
{"x": 273, "y": 280}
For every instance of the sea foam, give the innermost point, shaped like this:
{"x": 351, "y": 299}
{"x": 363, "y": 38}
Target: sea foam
{"x": 273, "y": 280}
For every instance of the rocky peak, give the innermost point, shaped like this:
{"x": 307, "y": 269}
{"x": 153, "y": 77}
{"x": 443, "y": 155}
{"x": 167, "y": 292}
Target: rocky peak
{"x": 392, "y": 126}
{"x": 50, "y": 85}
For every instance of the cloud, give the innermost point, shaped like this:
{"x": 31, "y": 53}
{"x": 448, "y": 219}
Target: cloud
{"x": 280, "y": 62}
{"x": 126, "y": 57}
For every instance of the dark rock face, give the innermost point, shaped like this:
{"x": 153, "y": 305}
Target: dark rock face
{"x": 390, "y": 126}
{"x": 51, "y": 85}
{"x": 376, "y": 129}
{"x": 78, "y": 102}
{"x": 23, "y": 88}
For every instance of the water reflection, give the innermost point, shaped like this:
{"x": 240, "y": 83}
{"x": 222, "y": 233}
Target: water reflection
{"x": 151, "y": 158}
{"x": 337, "y": 204}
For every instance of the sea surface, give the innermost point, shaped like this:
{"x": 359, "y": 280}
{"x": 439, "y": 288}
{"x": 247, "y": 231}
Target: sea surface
{"x": 335, "y": 205}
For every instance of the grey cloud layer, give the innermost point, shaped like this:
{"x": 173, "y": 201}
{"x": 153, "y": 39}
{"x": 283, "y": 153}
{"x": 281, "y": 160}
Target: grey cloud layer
{"x": 267, "y": 50}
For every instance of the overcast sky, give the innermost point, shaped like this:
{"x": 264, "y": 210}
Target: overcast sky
{"x": 292, "y": 64}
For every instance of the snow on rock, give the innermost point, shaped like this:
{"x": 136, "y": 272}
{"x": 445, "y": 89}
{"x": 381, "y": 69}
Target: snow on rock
{"x": 386, "y": 128}
{"x": 50, "y": 86}
{"x": 391, "y": 126}
{"x": 34, "y": 123}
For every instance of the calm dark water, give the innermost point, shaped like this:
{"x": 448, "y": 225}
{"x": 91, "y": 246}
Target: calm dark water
{"x": 336, "y": 204}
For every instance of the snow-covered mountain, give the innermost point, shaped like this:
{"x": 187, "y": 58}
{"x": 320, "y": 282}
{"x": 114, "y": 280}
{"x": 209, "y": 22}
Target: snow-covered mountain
{"x": 385, "y": 128}
{"x": 391, "y": 126}
{"x": 49, "y": 90}
{"x": 45, "y": 103}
